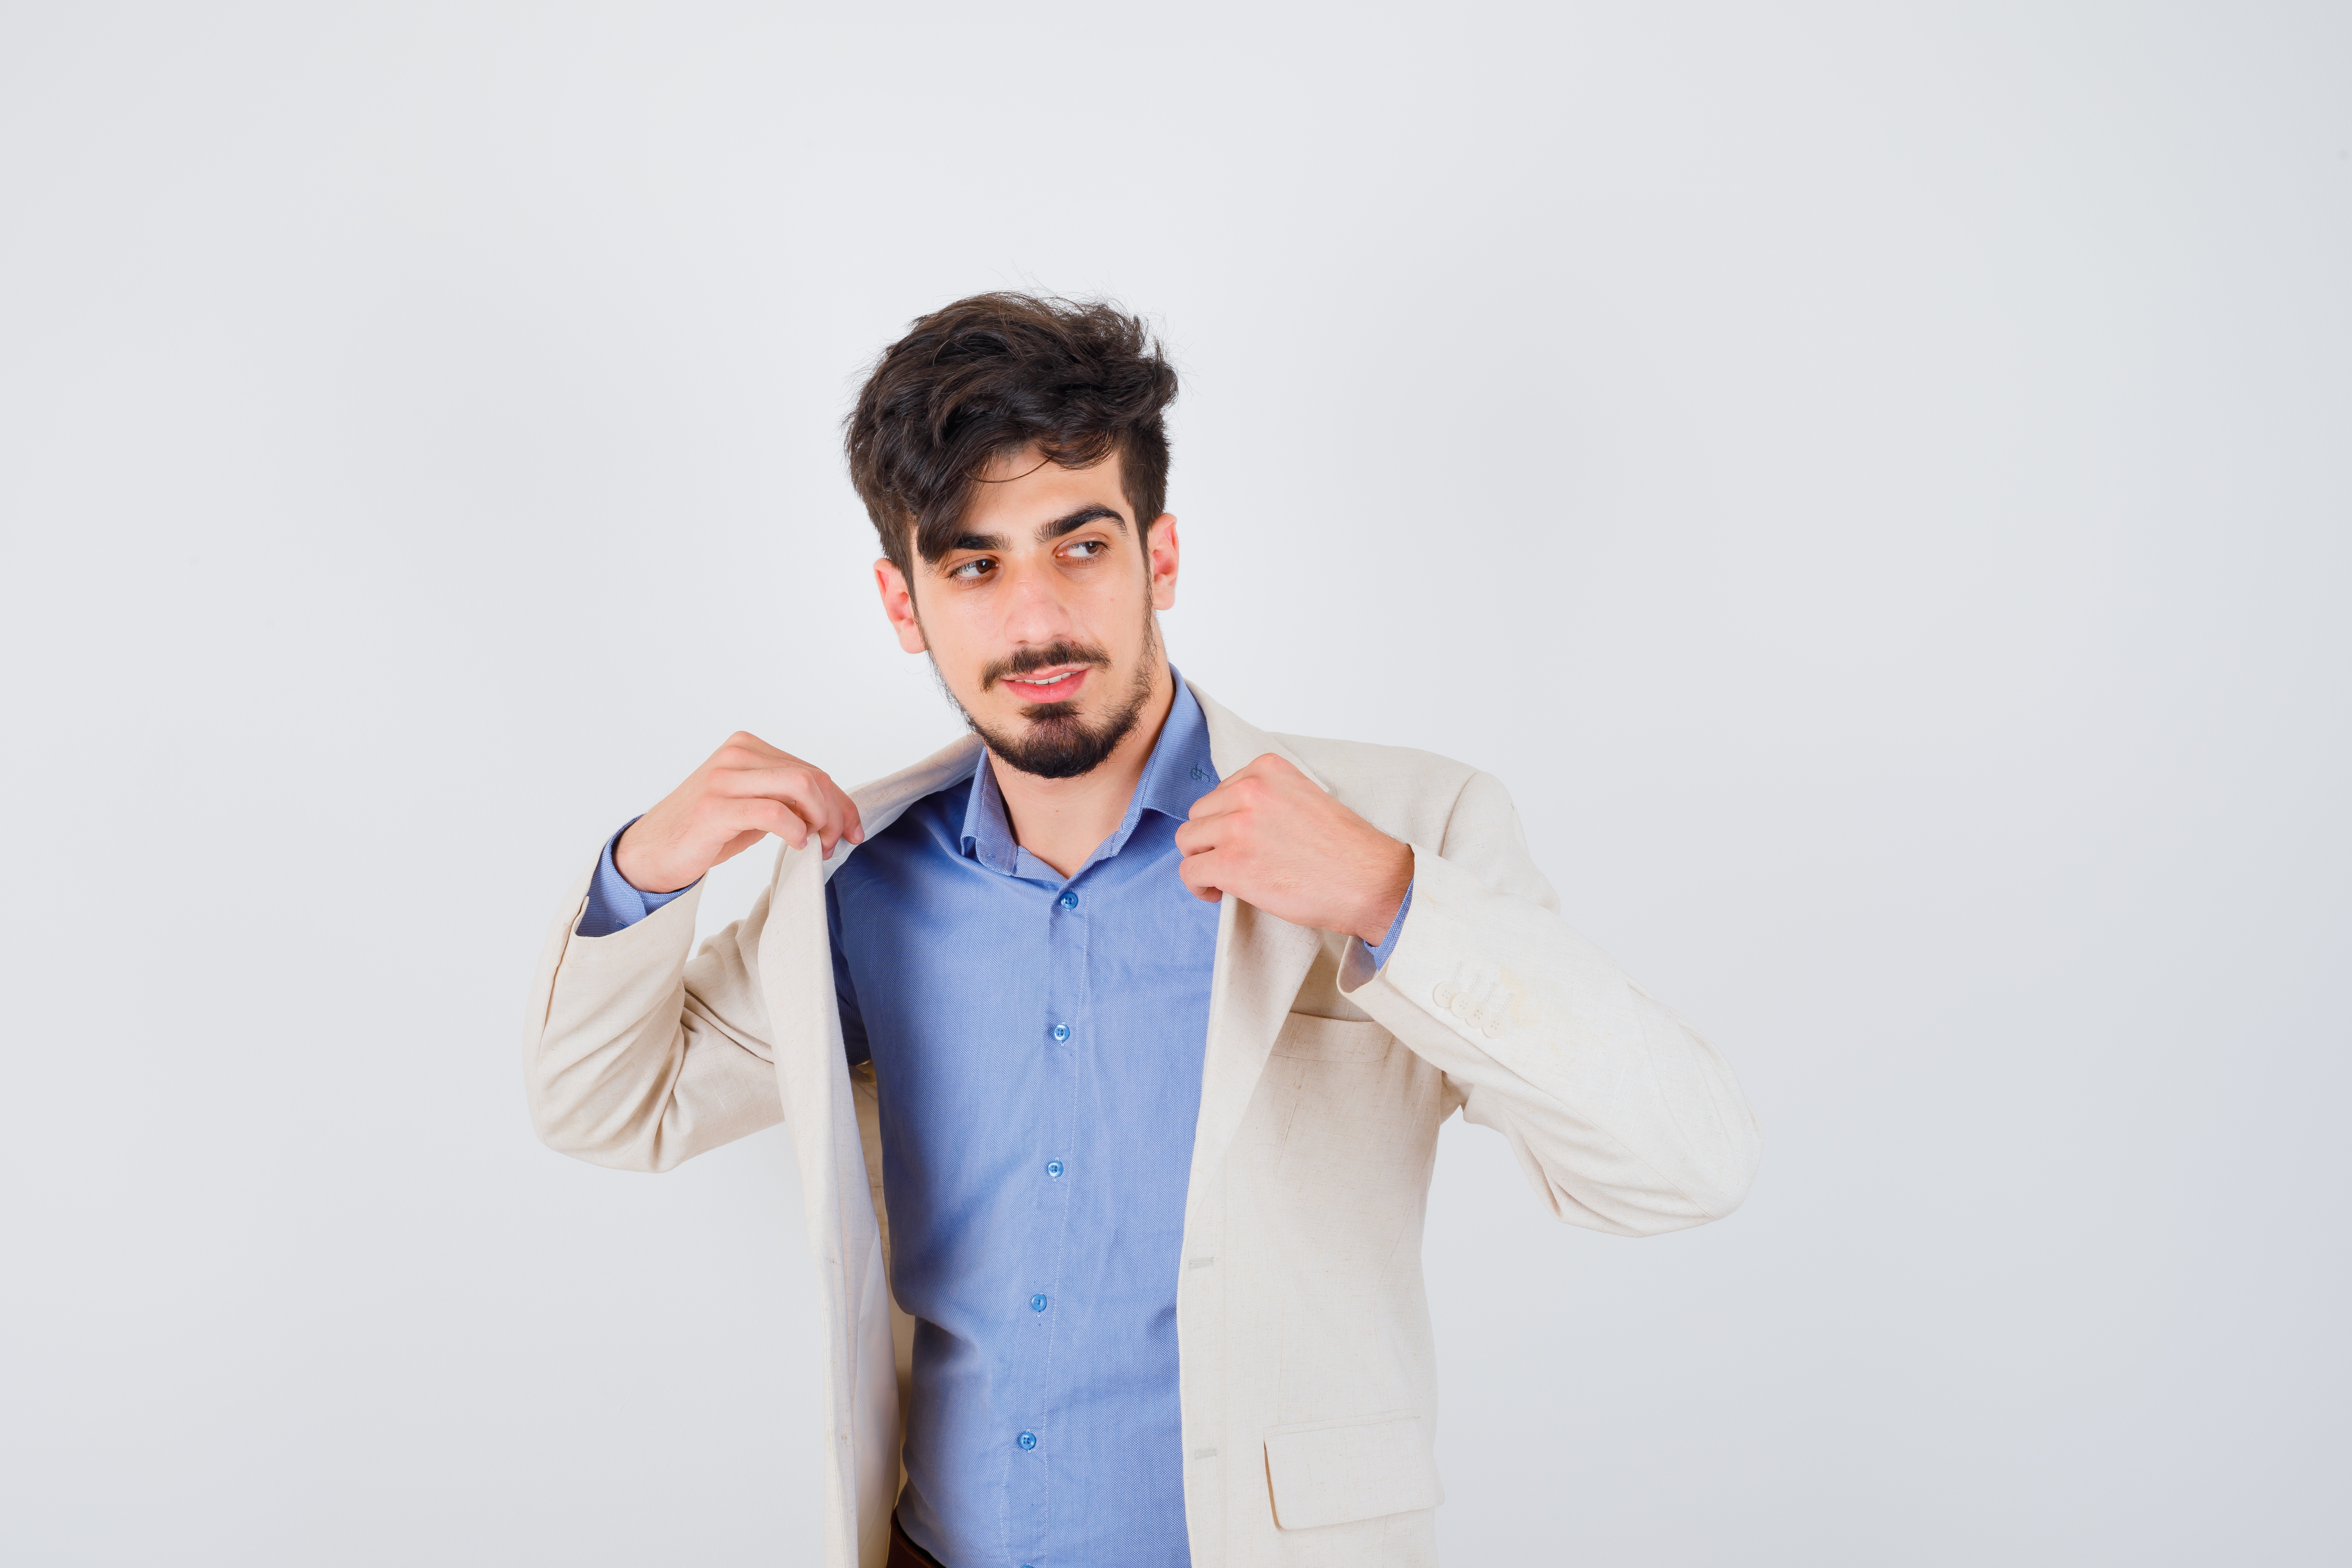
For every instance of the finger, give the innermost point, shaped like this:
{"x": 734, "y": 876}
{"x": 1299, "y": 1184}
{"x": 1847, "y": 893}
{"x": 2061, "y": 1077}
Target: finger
{"x": 1198, "y": 836}
{"x": 819, "y": 801}
{"x": 787, "y": 780}
{"x": 853, "y": 826}
{"x": 744, "y": 749}
{"x": 1226, "y": 798}
{"x": 846, "y": 822}
{"x": 1253, "y": 785}
{"x": 1265, "y": 764}
{"x": 1201, "y": 873}
{"x": 767, "y": 814}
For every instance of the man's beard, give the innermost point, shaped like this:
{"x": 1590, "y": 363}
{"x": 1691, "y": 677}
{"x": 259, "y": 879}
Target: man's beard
{"x": 1059, "y": 743}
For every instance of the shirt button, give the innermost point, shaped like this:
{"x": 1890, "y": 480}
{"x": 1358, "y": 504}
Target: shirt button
{"x": 1027, "y": 1440}
{"x": 1053, "y": 1167}
{"x": 1070, "y": 900}
{"x": 1061, "y": 1032}
{"x": 1036, "y": 1303}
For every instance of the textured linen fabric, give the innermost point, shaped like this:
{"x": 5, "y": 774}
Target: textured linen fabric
{"x": 1308, "y": 1391}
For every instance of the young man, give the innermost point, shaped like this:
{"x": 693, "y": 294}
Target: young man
{"x": 1114, "y": 1038}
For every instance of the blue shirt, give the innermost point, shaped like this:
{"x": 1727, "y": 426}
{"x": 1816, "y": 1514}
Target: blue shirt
{"x": 1037, "y": 1041}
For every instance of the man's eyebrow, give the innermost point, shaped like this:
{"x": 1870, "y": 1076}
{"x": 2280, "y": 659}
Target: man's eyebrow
{"x": 990, "y": 541}
{"x": 1077, "y": 519}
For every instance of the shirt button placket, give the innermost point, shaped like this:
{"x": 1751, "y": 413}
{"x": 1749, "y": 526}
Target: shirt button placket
{"x": 1066, "y": 994}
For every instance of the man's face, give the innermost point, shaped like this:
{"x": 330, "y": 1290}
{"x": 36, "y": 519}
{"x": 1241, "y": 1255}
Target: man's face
{"x": 1041, "y": 621}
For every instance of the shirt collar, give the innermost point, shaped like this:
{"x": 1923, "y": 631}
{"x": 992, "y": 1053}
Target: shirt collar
{"x": 1177, "y": 773}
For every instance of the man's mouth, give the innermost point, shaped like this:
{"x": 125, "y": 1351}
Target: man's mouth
{"x": 1059, "y": 683}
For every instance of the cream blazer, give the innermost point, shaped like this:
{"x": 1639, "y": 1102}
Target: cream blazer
{"x": 1309, "y": 1394}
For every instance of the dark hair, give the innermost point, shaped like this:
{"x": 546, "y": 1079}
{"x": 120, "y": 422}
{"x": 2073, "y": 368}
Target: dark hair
{"x": 989, "y": 375}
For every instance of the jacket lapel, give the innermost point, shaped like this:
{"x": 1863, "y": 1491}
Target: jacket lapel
{"x": 1260, "y": 962}
{"x": 796, "y": 962}
{"x": 862, "y": 1464}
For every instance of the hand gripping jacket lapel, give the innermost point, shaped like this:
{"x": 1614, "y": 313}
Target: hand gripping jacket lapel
{"x": 1261, "y": 962}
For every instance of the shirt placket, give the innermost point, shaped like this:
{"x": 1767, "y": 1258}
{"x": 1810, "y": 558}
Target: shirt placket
{"x": 1059, "y": 1166}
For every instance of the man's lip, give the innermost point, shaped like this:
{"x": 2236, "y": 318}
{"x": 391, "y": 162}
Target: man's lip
{"x": 1028, "y": 679}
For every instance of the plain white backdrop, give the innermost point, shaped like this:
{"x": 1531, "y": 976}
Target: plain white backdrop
{"x": 1875, "y": 482}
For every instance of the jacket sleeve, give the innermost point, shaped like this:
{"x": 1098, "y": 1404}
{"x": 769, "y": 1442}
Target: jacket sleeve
{"x": 1622, "y": 1117}
{"x": 636, "y": 1057}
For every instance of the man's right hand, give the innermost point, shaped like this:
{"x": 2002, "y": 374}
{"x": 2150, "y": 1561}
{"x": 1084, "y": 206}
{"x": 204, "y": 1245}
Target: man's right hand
{"x": 746, "y": 791}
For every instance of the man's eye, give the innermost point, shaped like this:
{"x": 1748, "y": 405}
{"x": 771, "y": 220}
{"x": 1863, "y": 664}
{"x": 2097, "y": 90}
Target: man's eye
{"x": 977, "y": 567}
{"x": 1087, "y": 549}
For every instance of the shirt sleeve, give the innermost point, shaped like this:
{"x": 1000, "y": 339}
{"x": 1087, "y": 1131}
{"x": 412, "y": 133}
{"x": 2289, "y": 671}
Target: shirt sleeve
{"x": 1380, "y": 949}
{"x": 614, "y": 905}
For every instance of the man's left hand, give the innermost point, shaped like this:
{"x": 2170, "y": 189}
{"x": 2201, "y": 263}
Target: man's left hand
{"x": 1270, "y": 838}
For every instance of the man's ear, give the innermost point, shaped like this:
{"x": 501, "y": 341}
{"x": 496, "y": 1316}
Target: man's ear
{"x": 1161, "y": 550}
{"x": 898, "y": 603}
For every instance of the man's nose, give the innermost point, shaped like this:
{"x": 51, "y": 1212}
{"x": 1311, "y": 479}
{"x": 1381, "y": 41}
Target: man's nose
{"x": 1034, "y": 611}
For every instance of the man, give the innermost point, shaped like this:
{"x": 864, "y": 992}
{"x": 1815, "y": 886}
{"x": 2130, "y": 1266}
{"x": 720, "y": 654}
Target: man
{"x": 1115, "y": 1037}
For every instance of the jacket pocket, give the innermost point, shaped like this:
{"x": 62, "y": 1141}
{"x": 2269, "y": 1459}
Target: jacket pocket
{"x": 1335, "y": 1475}
{"x": 1310, "y": 1039}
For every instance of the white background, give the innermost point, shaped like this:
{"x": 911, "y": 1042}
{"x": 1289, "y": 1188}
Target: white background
{"x": 1878, "y": 488}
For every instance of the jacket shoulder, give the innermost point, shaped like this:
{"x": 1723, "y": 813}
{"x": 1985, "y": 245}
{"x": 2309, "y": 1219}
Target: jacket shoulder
{"x": 1401, "y": 790}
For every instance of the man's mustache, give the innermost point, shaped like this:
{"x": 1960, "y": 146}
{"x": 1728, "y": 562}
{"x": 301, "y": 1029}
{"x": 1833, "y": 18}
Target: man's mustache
{"x": 1046, "y": 658}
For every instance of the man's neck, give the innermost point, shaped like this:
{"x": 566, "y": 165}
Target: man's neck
{"x": 1060, "y": 821}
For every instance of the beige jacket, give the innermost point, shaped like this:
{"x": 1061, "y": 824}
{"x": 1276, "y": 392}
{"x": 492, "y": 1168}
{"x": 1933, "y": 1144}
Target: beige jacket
{"x": 1309, "y": 1390}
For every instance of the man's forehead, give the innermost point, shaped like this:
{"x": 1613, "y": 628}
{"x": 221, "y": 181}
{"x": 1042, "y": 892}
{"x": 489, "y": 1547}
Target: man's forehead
{"x": 1025, "y": 487}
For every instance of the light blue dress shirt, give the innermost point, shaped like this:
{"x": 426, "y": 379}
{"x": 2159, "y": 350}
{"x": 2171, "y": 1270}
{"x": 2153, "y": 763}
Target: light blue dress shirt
{"x": 1037, "y": 1041}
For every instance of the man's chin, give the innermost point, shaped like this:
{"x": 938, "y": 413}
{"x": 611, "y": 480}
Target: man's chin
{"x": 1057, "y": 740}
